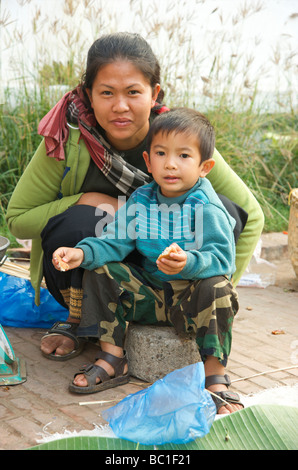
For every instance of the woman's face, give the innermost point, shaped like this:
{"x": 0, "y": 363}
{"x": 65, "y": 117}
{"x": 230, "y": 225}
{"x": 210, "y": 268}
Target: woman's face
{"x": 122, "y": 98}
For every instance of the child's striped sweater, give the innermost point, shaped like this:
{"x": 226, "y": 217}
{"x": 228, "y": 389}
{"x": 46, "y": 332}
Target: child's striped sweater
{"x": 149, "y": 222}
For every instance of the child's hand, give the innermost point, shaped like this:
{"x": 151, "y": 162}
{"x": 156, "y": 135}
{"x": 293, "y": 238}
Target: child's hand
{"x": 175, "y": 264}
{"x": 71, "y": 258}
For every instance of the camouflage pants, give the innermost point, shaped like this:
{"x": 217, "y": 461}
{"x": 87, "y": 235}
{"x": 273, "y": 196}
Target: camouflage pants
{"x": 118, "y": 293}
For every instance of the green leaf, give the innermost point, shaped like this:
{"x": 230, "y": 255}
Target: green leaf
{"x": 90, "y": 443}
{"x": 259, "y": 427}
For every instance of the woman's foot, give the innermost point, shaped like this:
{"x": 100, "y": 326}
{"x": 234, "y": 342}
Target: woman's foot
{"x": 61, "y": 345}
{"x": 61, "y": 341}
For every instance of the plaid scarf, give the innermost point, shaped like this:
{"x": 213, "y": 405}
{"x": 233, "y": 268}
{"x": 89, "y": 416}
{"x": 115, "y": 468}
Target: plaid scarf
{"x": 72, "y": 109}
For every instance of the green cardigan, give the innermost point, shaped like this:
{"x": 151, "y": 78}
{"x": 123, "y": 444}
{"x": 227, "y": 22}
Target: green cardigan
{"x": 37, "y": 198}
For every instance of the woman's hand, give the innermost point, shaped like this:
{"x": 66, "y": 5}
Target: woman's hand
{"x": 175, "y": 264}
{"x": 73, "y": 257}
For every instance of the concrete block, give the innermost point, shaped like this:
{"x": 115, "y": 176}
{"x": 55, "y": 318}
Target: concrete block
{"x": 274, "y": 246}
{"x": 154, "y": 351}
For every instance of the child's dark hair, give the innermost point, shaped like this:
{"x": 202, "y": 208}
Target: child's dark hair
{"x": 186, "y": 121}
{"x": 122, "y": 46}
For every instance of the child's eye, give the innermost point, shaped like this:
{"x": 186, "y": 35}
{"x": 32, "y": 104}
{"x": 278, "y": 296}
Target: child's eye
{"x": 160, "y": 153}
{"x": 184, "y": 155}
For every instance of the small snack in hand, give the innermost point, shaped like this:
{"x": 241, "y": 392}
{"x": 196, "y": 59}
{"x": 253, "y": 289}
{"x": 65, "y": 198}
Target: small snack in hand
{"x": 61, "y": 264}
{"x": 166, "y": 253}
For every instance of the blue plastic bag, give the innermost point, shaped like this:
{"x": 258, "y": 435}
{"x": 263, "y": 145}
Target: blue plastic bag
{"x": 18, "y": 309}
{"x": 175, "y": 409}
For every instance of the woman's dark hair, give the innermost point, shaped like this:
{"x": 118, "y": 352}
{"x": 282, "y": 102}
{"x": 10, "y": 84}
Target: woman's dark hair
{"x": 186, "y": 121}
{"x": 121, "y": 46}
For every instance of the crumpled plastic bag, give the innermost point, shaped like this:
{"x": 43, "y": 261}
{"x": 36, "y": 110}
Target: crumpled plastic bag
{"x": 260, "y": 272}
{"x": 175, "y": 409}
{"x": 18, "y": 309}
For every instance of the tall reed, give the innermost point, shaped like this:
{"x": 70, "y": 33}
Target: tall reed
{"x": 221, "y": 79}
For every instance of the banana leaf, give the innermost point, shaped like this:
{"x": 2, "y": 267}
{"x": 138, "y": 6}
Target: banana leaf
{"x": 259, "y": 427}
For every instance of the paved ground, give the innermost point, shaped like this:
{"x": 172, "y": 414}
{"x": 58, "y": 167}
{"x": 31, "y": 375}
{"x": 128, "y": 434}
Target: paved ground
{"x": 43, "y": 403}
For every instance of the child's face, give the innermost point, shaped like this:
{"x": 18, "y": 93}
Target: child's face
{"x": 175, "y": 162}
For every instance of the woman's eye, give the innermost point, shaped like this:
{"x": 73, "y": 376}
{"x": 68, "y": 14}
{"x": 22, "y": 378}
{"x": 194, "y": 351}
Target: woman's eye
{"x": 134, "y": 92}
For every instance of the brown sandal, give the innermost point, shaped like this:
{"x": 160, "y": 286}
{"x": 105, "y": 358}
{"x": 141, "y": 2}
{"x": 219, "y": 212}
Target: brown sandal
{"x": 222, "y": 398}
{"x": 92, "y": 372}
{"x": 65, "y": 329}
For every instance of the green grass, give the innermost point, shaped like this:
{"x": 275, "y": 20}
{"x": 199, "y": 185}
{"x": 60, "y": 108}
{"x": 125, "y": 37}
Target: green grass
{"x": 18, "y": 142}
{"x": 261, "y": 148}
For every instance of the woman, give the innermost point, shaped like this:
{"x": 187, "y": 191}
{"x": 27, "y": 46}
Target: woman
{"x": 91, "y": 154}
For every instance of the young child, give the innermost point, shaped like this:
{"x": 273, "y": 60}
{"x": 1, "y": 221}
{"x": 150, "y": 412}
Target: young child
{"x": 189, "y": 287}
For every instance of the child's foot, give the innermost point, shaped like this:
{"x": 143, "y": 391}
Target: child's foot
{"x": 81, "y": 381}
{"x": 225, "y": 409}
{"x": 216, "y": 381}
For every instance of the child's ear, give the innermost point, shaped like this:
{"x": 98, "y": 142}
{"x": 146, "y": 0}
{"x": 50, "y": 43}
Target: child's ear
{"x": 147, "y": 161}
{"x": 207, "y": 166}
